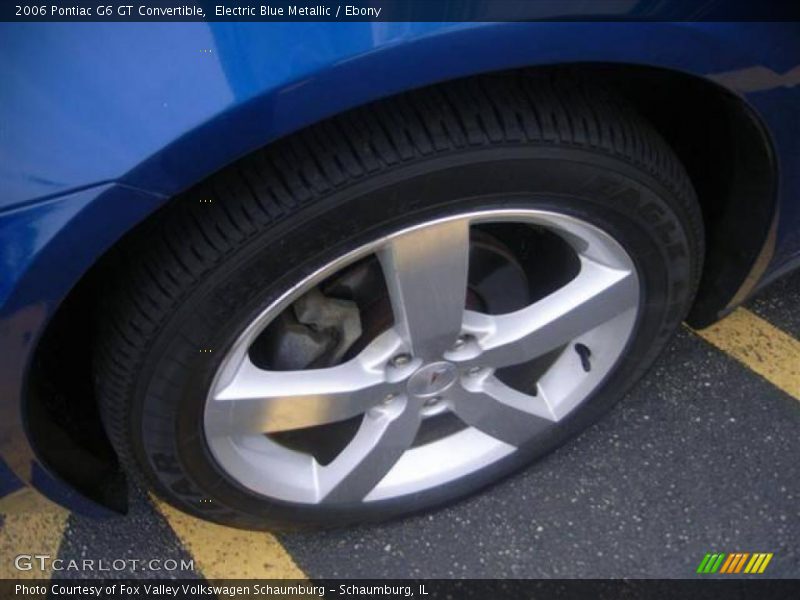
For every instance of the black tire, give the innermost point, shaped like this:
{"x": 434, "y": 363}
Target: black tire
{"x": 199, "y": 271}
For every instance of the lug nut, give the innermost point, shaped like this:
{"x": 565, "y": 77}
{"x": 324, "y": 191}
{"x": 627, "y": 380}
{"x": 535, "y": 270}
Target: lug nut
{"x": 433, "y": 401}
{"x": 388, "y": 399}
{"x": 401, "y": 360}
{"x": 474, "y": 371}
{"x": 461, "y": 341}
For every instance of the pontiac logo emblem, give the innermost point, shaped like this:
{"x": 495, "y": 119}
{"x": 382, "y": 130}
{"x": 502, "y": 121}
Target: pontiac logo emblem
{"x": 432, "y": 379}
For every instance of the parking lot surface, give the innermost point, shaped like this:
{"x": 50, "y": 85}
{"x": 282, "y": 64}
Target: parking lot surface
{"x": 703, "y": 455}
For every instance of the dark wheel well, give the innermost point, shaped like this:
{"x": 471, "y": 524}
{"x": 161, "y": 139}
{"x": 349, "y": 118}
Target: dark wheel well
{"x": 728, "y": 155}
{"x": 717, "y": 137}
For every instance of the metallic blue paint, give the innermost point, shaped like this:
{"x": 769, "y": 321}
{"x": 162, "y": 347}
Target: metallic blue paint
{"x": 102, "y": 123}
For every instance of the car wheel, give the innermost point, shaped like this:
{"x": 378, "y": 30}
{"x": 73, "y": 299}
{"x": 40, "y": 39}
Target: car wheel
{"x": 398, "y": 306}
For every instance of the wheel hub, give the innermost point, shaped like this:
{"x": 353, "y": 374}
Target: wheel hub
{"x": 432, "y": 380}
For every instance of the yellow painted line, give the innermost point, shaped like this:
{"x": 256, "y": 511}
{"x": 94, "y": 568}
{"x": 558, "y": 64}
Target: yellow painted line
{"x": 227, "y": 553}
{"x": 760, "y": 346}
{"x": 33, "y": 527}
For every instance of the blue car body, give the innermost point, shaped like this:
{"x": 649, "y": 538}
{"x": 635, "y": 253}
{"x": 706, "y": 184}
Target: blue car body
{"x": 104, "y": 123}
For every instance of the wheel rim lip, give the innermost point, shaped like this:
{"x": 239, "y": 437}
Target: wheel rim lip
{"x": 237, "y": 456}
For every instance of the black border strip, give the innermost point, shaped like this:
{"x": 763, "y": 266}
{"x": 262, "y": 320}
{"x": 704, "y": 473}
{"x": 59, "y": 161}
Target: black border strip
{"x": 384, "y": 589}
{"x": 398, "y": 10}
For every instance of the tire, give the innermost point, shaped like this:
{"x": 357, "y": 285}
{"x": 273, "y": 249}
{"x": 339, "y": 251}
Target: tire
{"x": 197, "y": 273}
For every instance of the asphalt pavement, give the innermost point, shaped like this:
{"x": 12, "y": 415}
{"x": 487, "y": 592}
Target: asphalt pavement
{"x": 703, "y": 455}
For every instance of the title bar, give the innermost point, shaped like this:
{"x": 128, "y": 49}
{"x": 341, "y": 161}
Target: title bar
{"x": 402, "y": 10}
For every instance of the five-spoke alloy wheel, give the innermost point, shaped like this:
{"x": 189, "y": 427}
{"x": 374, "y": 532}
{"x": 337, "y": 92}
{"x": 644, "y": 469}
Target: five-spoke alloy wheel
{"x": 436, "y": 356}
{"x": 398, "y": 307}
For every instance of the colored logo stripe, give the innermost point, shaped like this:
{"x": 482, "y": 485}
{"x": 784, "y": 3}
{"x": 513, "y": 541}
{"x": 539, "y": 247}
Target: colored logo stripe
{"x": 758, "y": 563}
{"x": 727, "y": 564}
{"x": 734, "y": 562}
{"x": 710, "y": 563}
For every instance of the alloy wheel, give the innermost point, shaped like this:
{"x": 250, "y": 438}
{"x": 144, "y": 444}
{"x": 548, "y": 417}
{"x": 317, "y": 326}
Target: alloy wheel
{"x": 438, "y": 356}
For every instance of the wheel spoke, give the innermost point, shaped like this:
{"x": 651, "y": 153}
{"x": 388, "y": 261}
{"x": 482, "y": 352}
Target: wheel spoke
{"x": 426, "y": 274}
{"x": 261, "y": 401}
{"x": 385, "y": 434}
{"x": 489, "y": 405}
{"x": 597, "y": 294}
